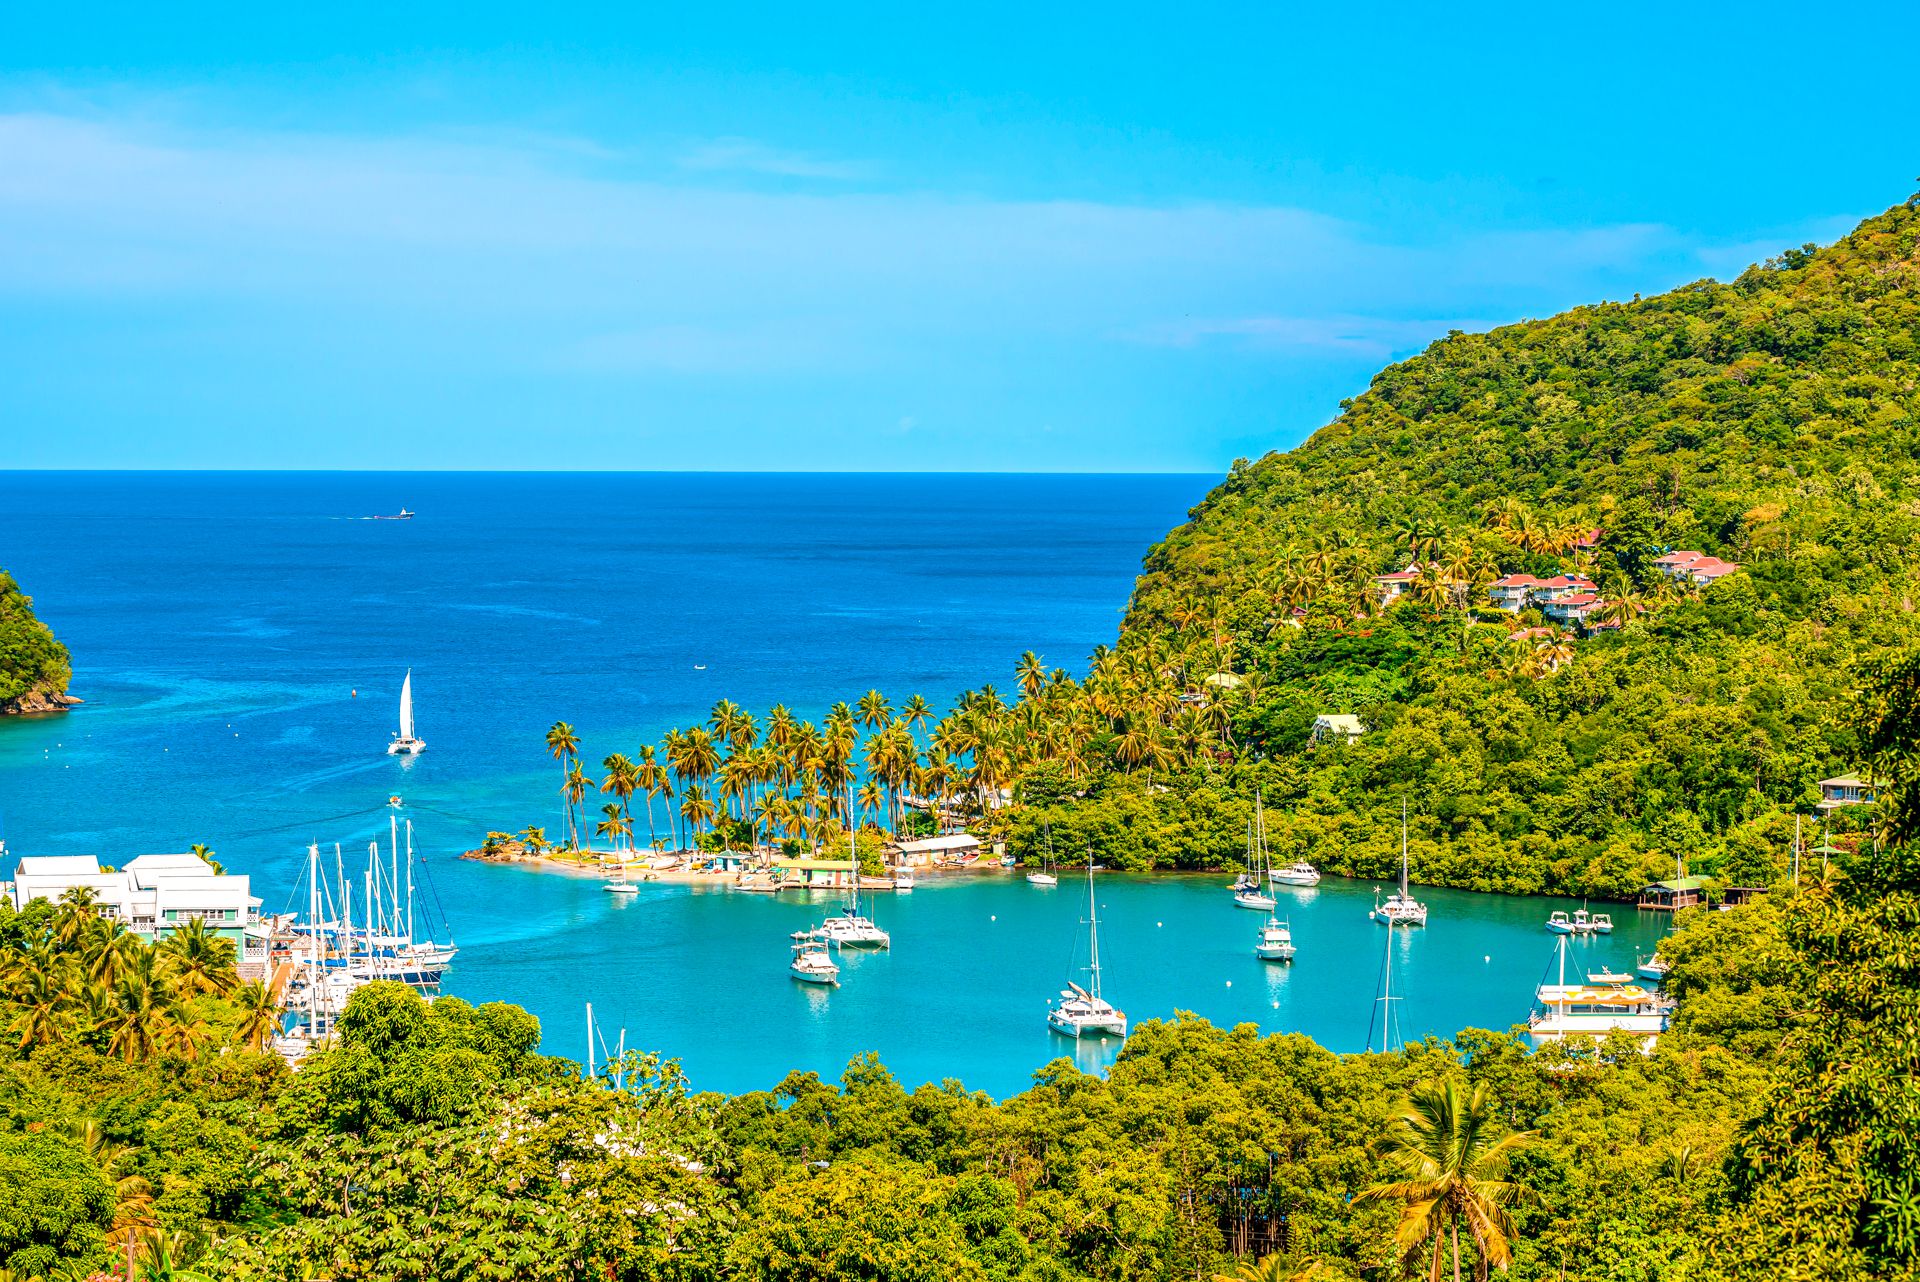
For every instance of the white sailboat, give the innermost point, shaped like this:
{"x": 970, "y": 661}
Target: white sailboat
{"x": 1083, "y": 1011}
{"x": 406, "y": 743}
{"x": 1250, "y": 888}
{"x": 619, "y": 885}
{"x": 1045, "y": 876}
{"x": 1401, "y": 908}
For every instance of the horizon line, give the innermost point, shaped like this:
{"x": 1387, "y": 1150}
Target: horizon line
{"x": 598, "y": 471}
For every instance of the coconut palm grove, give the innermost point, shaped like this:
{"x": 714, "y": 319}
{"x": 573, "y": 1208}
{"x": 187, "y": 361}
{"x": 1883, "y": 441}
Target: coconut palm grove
{"x": 1603, "y": 596}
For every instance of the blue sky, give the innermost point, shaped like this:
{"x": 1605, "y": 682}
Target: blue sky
{"x": 984, "y": 238}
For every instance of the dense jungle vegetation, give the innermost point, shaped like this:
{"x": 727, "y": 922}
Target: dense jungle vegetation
{"x": 33, "y": 665}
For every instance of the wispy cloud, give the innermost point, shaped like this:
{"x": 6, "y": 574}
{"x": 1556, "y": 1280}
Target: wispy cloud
{"x": 744, "y": 155}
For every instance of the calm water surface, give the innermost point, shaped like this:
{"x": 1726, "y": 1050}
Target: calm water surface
{"x": 221, "y": 625}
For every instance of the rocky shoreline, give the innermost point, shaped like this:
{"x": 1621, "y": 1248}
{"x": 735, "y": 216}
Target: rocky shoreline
{"x": 36, "y": 703}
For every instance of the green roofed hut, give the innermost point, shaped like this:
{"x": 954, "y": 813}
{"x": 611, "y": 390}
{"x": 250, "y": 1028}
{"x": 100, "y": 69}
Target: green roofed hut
{"x": 1672, "y": 896}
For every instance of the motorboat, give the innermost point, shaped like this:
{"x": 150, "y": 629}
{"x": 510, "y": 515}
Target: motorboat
{"x": 406, "y": 743}
{"x": 811, "y": 962}
{"x": 1654, "y": 968}
{"x": 1275, "y": 942}
{"x": 1600, "y": 924}
{"x": 1605, "y": 976}
{"x": 1559, "y": 923}
{"x": 1082, "y": 1012}
{"x": 1299, "y": 873}
{"x": 903, "y": 878}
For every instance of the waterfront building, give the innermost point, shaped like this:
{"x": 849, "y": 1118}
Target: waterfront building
{"x": 153, "y": 896}
{"x": 1672, "y": 896}
{"x": 952, "y": 847}
{"x": 814, "y": 874}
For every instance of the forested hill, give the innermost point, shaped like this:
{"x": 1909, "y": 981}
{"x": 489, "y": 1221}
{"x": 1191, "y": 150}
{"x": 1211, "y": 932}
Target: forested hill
{"x": 1772, "y": 421}
{"x": 34, "y": 667}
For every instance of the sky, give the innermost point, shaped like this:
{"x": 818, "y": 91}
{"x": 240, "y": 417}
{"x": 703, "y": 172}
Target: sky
{"x": 973, "y": 238}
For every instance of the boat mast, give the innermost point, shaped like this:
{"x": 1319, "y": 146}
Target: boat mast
{"x": 1403, "y": 848}
{"x": 313, "y": 938}
{"x": 589, "y": 1076}
{"x": 409, "y": 930}
{"x": 1796, "y": 849}
{"x": 1093, "y": 932}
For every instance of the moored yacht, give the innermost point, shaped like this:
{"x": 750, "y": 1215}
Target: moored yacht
{"x": 811, "y": 964}
{"x": 1083, "y": 1011}
{"x": 1045, "y": 874}
{"x": 1600, "y": 923}
{"x": 1298, "y": 873}
{"x": 1275, "y": 942}
{"x": 1559, "y": 924}
{"x": 1591, "y": 1009}
{"x": 1401, "y": 908}
{"x": 1250, "y": 887}
{"x": 850, "y": 929}
{"x": 1654, "y": 968}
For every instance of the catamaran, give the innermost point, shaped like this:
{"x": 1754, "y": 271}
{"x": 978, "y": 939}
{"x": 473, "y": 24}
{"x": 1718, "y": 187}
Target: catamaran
{"x": 406, "y": 743}
{"x": 850, "y": 929}
{"x": 1603, "y": 1005}
{"x": 811, "y": 964}
{"x": 1401, "y": 908}
{"x": 1082, "y": 1011}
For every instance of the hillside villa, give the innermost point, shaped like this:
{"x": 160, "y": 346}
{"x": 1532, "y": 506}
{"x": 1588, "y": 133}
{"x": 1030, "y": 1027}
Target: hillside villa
{"x": 1336, "y": 725}
{"x": 1846, "y": 790}
{"x": 1696, "y": 566}
{"x": 152, "y": 896}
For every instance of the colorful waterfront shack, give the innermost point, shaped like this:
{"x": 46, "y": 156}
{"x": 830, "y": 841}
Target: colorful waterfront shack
{"x": 813, "y": 874}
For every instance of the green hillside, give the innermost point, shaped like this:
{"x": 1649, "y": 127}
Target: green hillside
{"x": 1773, "y": 421}
{"x": 34, "y": 667}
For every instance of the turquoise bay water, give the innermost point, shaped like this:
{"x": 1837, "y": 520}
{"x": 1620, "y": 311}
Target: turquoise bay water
{"x": 221, "y": 624}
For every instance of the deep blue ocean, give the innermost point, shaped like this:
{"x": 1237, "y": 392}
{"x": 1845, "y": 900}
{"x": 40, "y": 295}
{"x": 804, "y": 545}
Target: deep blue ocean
{"x": 240, "y": 640}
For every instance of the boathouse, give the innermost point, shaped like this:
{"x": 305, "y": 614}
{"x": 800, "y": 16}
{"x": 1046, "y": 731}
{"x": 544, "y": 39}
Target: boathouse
{"x": 1672, "y": 896}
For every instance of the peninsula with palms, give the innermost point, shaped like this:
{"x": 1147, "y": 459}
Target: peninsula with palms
{"x": 1590, "y": 592}
{"x": 34, "y": 666}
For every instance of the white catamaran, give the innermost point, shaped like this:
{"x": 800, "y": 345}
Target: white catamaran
{"x": 406, "y": 743}
{"x": 1083, "y": 1011}
{"x": 850, "y": 929}
{"x": 1401, "y": 908}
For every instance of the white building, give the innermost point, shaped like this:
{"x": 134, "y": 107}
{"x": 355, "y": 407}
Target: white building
{"x": 152, "y": 896}
{"x": 948, "y": 848}
{"x": 1336, "y": 725}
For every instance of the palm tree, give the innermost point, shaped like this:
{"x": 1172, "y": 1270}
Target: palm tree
{"x": 205, "y": 852}
{"x": 651, "y": 779}
{"x": 1031, "y": 672}
{"x": 259, "y": 1016}
{"x": 141, "y": 1011}
{"x": 614, "y": 826}
{"x": 1448, "y": 1162}
{"x": 915, "y": 711}
{"x": 198, "y": 961}
{"x": 622, "y": 780}
{"x": 563, "y": 745}
{"x": 696, "y": 810}
{"x": 874, "y": 709}
{"x": 42, "y": 1000}
{"x": 132, "y": 1194}
{"x": 575, "y": 789}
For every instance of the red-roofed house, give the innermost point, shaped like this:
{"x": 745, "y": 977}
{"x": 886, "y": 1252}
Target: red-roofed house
{"x": 1708, "y": 568}
{"x": 1546, "y": 591}
{"x": 1573, "y": 607}
{"x": 1511, "y": 592}
{"x": 1697, "y": 566}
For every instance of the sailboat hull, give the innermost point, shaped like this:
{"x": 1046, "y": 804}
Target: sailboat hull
{"x": 406, "y": 747}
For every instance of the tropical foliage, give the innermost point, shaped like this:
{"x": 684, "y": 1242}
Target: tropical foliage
{"x": 32, "y": 661}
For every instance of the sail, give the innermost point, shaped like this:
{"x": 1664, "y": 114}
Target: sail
{"x": 406, "y": 706}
